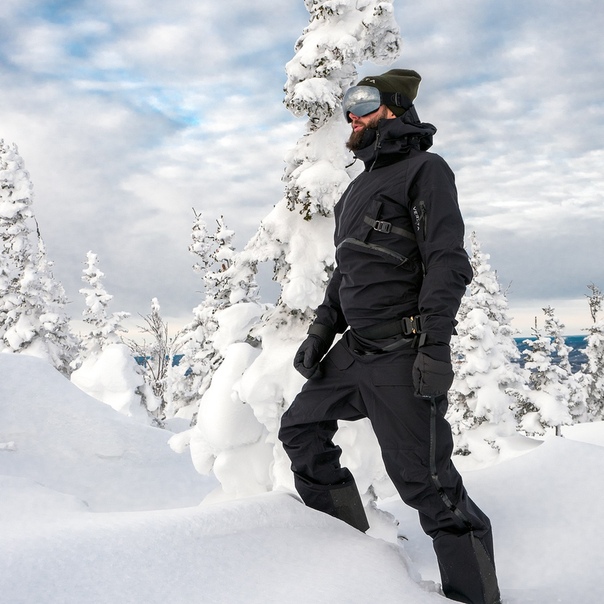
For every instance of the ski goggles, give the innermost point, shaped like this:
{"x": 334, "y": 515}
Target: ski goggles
{"x": 361, "y": 101}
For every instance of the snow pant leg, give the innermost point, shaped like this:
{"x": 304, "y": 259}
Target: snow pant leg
{"x": 307, "y": 429}
{"x": 466, "y": 560}
{"x": 416, "y": 445}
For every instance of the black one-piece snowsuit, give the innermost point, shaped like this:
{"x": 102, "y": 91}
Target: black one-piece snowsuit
{"x": 399, "y": 241}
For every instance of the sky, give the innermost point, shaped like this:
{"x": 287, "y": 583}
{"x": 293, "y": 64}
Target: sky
{"x": 129, "y": 114}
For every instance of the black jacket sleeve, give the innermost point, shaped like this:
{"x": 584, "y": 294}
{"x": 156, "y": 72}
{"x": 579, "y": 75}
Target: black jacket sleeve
{"x": 329, "y": 313}
{"x": 440, "y": 236}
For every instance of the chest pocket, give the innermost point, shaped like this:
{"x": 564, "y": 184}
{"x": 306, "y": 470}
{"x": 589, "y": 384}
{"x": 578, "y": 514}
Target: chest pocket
{"x": 384, "y": 228}
{"x": 385, "y": 221}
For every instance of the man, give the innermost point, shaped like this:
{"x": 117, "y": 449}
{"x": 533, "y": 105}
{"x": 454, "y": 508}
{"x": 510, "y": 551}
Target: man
{"x": 401, "y": 271}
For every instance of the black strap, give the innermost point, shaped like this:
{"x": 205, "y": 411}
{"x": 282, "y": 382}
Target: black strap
{"x": 407, "y": 326}
{"x": 396, "y": 99}
{"x": 322, "y": 331}
{"x": 386, "y": 227}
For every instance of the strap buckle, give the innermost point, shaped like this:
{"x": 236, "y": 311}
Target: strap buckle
{"x": 412, "y": 326}
{"x": 382, "y": 226}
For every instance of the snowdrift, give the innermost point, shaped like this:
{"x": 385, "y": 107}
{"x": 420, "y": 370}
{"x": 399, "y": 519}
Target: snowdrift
{"x": 69, "y": 445}
{"x": 97, "y": 508}
{"x": 255, "y": 551}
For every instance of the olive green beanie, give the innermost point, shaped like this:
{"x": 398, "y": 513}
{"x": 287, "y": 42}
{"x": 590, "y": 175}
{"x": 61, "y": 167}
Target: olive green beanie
{"x": 405, "y": 81}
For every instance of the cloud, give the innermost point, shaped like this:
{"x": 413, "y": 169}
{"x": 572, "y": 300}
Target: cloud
{"x": 518, "y": 103}
{"x": 128, "y": 113}
{"x": 128, "y": 117}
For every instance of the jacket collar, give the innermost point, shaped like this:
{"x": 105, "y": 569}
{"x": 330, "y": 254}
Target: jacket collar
{"x": 393, "y": 139}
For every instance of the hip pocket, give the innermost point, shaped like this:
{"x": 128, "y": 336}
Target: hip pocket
{"x": 340, "y": 356}
{"x": 397, "y": 373}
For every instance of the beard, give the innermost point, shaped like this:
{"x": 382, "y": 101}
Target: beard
{"x": 357, "y": 138}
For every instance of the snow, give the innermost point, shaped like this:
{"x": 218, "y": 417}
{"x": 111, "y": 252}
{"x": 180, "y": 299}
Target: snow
{"x": 73, "y": 445}
{"x": 234, "y": 323}
{"x": 97, "y": 508}
{"x": 227, "y": 438}
{"x": 111, "y": 376}
{"x": 539, "y": 504}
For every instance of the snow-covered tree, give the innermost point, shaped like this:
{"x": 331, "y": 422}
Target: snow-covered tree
{"x": 154, "y": 356}
{"x": 16, "y": 197}
{"x": 553, "y": 392}
{"x": 576, "y": 402}
{"x": 189, "y": 379}
{"x": 106, "y": 369}
{"x": 33, "y": 318}
{"x": 593, "y": 371}
{"x": 486, "y": 374}
{"x": 595, "y": 300}
{"x": 103, "y": 328}
{"x": 217, "y": 347}
{"x": 60, "y": 343}
{"x": 226, "y": 283}
{"x": 297, "y": 236}
{"x": 201, "y": 244}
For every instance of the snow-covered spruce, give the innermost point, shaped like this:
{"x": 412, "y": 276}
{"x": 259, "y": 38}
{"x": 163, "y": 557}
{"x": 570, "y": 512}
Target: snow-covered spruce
{"x": 106, "y": 368}
{"x": 553, "y": 394}
{"x": 188, "y": 380}
{"x": 570, "y": 381}
{"x": 593, "y": 371}
{"x": 33, "y": 318}
{"x": 101, "y": 327}
{"x": 297, "y": 237}
{"x": 217, "y": 347}
{"x": 226, "y": 283}
{"x": 486, "y": 375}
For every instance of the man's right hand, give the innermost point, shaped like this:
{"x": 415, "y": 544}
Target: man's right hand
{"x": 310, "y": 353}
{"x": 313, "y": 349}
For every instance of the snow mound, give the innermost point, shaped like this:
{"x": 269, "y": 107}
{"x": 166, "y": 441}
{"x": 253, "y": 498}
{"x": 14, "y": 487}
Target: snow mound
{"x": 57, "y": 437}
{"x": 542, "y": 505}
{"x": 268, "y": 548}
{"x": 111, "y": 376}
{"x": 64, "y": 455}
{"x": 592, "y": 433}
{"x": 24, "y": 499}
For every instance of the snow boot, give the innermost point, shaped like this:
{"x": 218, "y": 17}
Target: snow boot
{"x": 349, "y": 507}
{"x": 341, "y": 501}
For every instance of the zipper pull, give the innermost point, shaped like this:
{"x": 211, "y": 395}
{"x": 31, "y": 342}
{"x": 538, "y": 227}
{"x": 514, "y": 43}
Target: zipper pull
{"x": 422, "y": 220}
{"x": 377, "y": 145}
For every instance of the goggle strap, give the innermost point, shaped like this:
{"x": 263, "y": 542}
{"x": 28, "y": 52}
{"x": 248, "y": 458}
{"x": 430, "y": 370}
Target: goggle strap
{"x": 396, "y": 99}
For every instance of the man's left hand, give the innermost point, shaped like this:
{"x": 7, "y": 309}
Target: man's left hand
{"x": 432, "y": 371}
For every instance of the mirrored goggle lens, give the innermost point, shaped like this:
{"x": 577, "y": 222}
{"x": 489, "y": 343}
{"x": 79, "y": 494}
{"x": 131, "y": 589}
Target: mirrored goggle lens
{"x": 361, "y": 100}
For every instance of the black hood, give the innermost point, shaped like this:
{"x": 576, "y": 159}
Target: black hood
{"x": 394, "y": 138}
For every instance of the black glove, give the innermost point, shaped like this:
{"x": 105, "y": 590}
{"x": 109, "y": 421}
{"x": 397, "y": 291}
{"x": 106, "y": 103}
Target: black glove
{"x": 432, "y": 371}
{"x": 312, "y": 350}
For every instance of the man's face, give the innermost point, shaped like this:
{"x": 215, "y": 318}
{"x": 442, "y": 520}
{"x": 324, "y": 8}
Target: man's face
{"x": 360, "y": 124}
